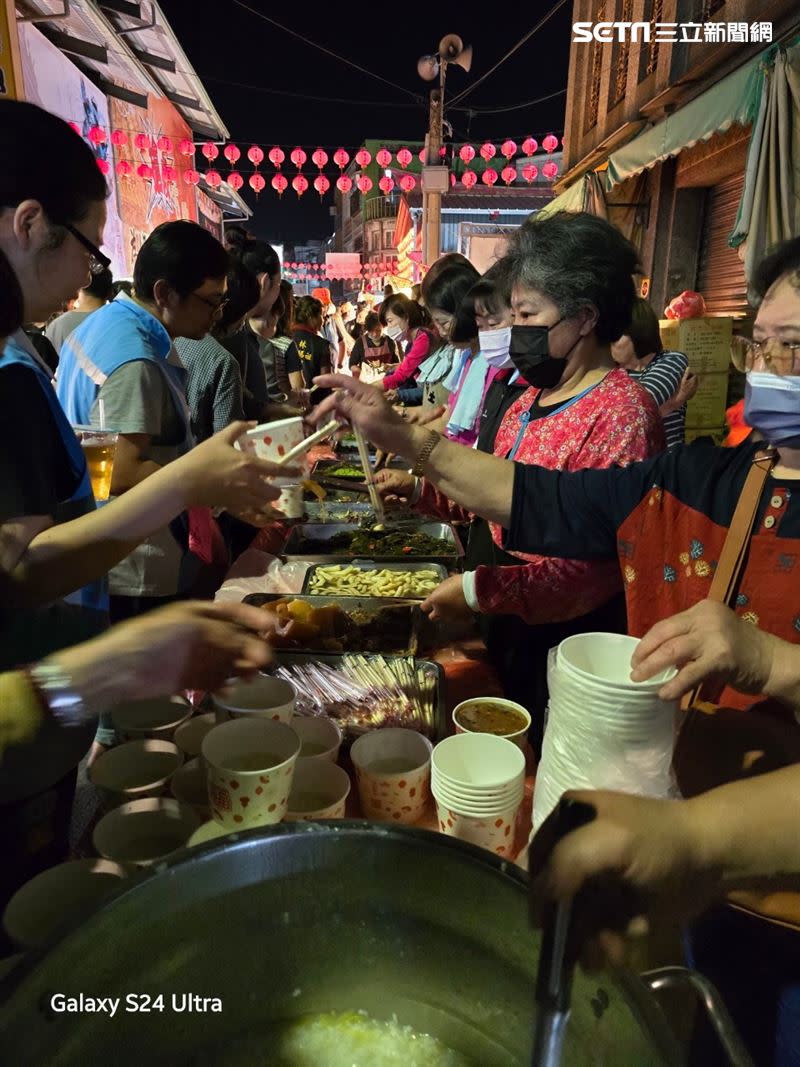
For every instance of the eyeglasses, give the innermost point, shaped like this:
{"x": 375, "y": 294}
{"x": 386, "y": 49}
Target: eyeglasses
{"x": 779, "y": 357}
{"x": 217, "y": 308}
{"x": 97, "y": 261}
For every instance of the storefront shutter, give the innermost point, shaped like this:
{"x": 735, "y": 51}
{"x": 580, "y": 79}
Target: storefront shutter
{"x": 721, "y": 277}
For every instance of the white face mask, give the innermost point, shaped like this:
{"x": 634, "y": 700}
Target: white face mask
{"x": 494, "y": 346}
{"x": 395, "y": 332}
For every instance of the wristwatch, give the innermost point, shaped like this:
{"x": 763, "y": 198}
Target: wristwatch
{"x": 55, "y": 690}
{"x": 431, "y": 441}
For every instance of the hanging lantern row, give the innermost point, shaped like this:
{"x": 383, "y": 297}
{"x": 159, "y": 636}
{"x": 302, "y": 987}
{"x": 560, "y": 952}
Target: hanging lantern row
{"x": 530, "y": 172}
{"x": 309, "y": 270}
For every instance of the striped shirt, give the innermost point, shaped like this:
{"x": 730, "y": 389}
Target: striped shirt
{"x": 213, "y": 385}
{"x": 661, "y": 378}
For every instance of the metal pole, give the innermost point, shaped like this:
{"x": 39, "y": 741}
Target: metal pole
{"x": 432, "y": 202}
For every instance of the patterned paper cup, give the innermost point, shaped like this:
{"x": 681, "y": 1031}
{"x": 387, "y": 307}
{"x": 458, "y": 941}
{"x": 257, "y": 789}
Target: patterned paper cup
{"x": 261, "y": 697}
{"x": 189, "y": 735}
{"x": 393, "y": 772}
{"x": 319, "y": 791}
{"x": 320, "y": 737}
{"x": 159, "y": 717}
{"x": 144, "y": 831}
{"x": 189, "y": 785}
{"x": 518, "y": 724}
{"x": 493, "y": 832}
{"x": 135, "y": 770}
{"x": 250, "y": 767}
{"x": 272, "y": 440}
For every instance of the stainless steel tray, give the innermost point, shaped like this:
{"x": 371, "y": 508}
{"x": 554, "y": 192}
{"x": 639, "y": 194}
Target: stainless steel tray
{"x": 323, "y": 532}
{"x": 371, "y": 565}
{"x": 323, "y": 511}
{"x": 403, "y": 643}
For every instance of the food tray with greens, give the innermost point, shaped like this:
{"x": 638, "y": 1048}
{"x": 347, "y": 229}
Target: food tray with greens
{"x": 308, "y": 623}
{"x": 413, "y": 581}
{"x": 427, "y": 542}
{"x": 345, "y": 469}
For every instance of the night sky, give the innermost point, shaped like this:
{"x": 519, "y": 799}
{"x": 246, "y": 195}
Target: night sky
{"x": 236, "y": 46}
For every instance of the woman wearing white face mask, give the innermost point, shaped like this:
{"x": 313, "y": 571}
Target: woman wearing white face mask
{"x": 403, "y": 321}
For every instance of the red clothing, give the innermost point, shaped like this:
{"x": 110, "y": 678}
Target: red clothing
{"x": 420, "y": 350}
{"x": 614, "y": 424}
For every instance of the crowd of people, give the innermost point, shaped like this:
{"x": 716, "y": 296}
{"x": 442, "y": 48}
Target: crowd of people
{"x": 534, "y": 402}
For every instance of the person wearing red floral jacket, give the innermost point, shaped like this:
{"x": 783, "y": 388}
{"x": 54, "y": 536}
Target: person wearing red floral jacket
{"x": 572, "y": 275}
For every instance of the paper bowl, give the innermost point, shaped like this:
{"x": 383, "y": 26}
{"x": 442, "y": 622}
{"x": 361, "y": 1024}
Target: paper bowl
{"x": 604, "y": 661}
{"x": 159, "y": 718}
{"x": 319, "y": 791}
{"x": 189, "y": 786}
{"x": 320, "y": 737}
{"x": 135, "y": 770}
{"x": 144, "y": 831}
{"x": 389, "y": 794}
{"x": 262, "y": 697}
{"x": 189, "y": 735}
{"x": 62, "y": 894}
{"x": 518, "y": 736}
{"x": 495, "y": 832}
{"x": 478, "y": 761}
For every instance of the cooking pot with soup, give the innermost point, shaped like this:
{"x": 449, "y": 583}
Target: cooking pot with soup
{"x": 299, "y": 929}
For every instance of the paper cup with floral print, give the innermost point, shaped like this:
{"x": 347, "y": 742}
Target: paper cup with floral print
{"x": 262, "y": 697}
{"x": 320, "y": 737}
{"x": 493, "y": 832}
{"x": 273, "y": 440}
{"x": 393, "y": 773}
{"x": 250, "y": 766}
{"x": 319, "y": 791}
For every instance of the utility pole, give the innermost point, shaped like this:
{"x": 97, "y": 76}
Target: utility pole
{"x": 432, "y": 200}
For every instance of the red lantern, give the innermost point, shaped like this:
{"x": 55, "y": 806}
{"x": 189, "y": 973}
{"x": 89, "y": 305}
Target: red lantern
{"x": 118, "y": 138}
{"x": 169, "y": 174}
{"x": 466, "y": 153}
{"x": 276, "y": 157}
{"x": 423, "y": 156}
{"x": 364, "y": 183}
{"x": 363, "y": 158}
{"x": 124, "y": 169}
{"x": 257, "y": 182}
{"x": 232, "y": 154}
{"x": 488, "y": 151}
{"x": 530, "y": 172}
{"x": 550, "y": 143}
{"x": 300, "y": 183}
{"x": 550, "y": 170}
{"x": 164, "y": 144}
{"x": 469, "y": 179}
{"x": 322, "y": 185}
{"x": 344, "y": 184}
{"x": 508, "y": 148}
{"x": 279, "y": 183}
{"x": 191, "y": 177}
{"x": 386, "y": 184}
{"x": 489, "y": 176}
{"x": 404, "y": 157}
{"x": 97, "y": 135}
{"x": 213, "y": 178}
{"x": 509, "y": 174}
{"x": 298, "y": 157}
{"x": 235, "y": 181}
{"x": 529, "y": 146}
{"x": 255, "y": 155}
{"x": 341, "y": 158}
{"x": 407, "y": 182}
{"x": 210, "y": 151}
{"x": 142, "y": 142}
{"x": 383, "y": 157}
{"x": 103, "y": 166}
{"x": 144, "y": 170}
{"x": 186, "y": 147}
{"x": 320, "y": 158}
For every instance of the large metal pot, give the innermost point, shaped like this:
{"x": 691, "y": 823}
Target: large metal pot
{"x": 309, "y": 918}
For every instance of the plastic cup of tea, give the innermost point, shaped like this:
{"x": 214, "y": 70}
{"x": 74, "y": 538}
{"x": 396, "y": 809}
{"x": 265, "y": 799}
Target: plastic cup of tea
{"x": 159, "y": 717}
{"x": 189, "y": 785}
{"x": 250, "y": 767}
{"x": 99, "y": 448}
{"x": 319, "y": 791}
{"x": 62, "y": 894}
{"x": 135, "y": 770}
{"x": 320, "y": 737}
{"x": 494, "y": 832}
{"x": 493, "y": 715}
{"x": 261, "y": 697}
{"x": 144, "y": 831}
{"x": 272, "y": 441}
{"x": 393, "y": 773}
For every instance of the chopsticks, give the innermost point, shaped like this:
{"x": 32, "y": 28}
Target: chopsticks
{"x": 374, "y": 495}
{"x": 308, "y": 442}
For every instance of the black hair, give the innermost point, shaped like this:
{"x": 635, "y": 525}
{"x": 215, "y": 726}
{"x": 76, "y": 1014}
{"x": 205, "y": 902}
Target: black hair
{"x": 12, "y": 307}
{"x": 306, "y": 309}
{"x": 257, "y": 256}
{"x": 449, "y": 259}
{"x": 388, "y": 289}
{"x": 782, "y": 261}
{"x": 101, "y": 285}
{"x": 180, "y": 253}
{"x": 404, "y": 309}
{"x": 241, "y": 295}
{"x": 122, "y": 286}
{"x": 492, "y": 291}
{"x": 644, "y": 330}
{"x": 285, "y": 304}
{"x": 578, "y": 261}
{"x": 29, "y": 175}
{"x": 450, "y": 292}
{"x": 371, "y": 321}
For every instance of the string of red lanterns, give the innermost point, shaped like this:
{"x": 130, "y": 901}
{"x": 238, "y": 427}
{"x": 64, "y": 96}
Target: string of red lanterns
{"x": 308, "y": 269}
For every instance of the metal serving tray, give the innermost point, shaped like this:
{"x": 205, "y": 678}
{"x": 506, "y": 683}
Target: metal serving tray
{"x": 404, "y": 644}
{"x": 371, "y": 565}
{"x": 323, "y": 532}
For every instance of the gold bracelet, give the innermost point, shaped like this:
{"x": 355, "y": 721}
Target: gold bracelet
{"x": 424, "y": 455}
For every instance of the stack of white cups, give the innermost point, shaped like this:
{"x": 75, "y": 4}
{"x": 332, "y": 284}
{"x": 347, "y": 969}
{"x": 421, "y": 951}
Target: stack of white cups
{"x": 603, "y": 730}
{"x": 478, "y": 781}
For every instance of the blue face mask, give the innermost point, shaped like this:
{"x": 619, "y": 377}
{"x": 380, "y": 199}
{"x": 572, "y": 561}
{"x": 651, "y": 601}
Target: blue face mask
{"x": 772, "y": 406}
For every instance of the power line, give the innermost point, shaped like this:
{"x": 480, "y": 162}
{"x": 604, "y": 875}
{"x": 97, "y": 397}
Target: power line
{"x": 309, "y": 96}
{"x": 470, "y": 88}
{"x": 476, "y": 111}
{"x": 327, "y": 51}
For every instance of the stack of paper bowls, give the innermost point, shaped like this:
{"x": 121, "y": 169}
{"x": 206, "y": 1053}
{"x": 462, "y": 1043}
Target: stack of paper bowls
{"x": 603, "y": 730}
{"x": 478, "y": 781}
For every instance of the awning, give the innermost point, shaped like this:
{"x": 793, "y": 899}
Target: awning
{"x": 732, "y": 100}
{"x": 572, "y": 199}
